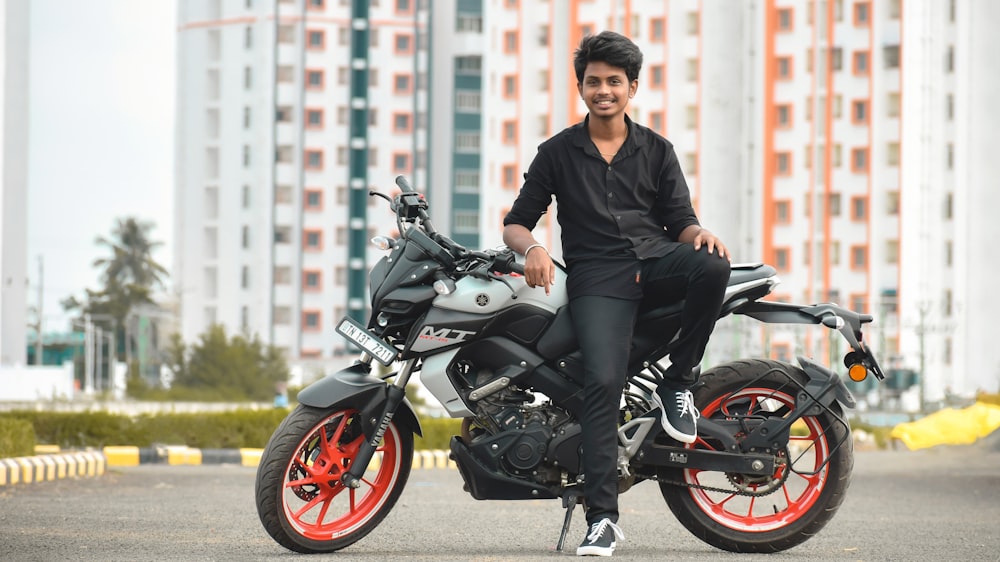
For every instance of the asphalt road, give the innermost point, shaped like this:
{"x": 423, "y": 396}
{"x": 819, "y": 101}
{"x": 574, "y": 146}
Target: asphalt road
{"x": 941, "y": 504}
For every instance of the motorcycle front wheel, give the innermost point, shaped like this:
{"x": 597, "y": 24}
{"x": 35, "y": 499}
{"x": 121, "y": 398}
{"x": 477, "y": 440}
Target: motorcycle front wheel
{"x": 301, "y": 500}
{"x": 746, "y": 513}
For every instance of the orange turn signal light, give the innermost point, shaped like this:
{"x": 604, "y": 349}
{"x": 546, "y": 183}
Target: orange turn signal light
{"x": 857, "y": 372}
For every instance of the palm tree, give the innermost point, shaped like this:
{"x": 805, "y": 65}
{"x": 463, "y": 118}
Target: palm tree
{"x": 131, "y": 262}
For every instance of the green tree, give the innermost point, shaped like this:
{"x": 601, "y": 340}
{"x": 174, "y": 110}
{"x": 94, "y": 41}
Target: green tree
{"x": 129, "y": 276}
{"x": 218, "y": 367}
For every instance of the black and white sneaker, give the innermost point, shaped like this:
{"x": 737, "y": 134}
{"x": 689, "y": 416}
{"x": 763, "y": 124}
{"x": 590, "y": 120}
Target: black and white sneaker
{"x": 600, "y": 539}
{"x": 678, "y": 414}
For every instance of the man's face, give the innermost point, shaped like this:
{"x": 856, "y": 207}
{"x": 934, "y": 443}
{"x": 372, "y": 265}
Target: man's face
{"x": 606, "y": 89}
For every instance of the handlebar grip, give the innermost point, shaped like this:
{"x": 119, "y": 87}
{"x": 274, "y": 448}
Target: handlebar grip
{"x": 516, "y": 268}
{"x": 404, "y": 185}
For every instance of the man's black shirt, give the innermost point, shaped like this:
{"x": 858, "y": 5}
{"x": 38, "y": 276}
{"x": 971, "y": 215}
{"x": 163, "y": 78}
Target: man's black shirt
{"x": 612, "y": 215}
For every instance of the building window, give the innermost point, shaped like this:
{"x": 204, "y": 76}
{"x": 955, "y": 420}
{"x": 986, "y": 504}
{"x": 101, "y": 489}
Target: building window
{"x": 859, "y": 112}
{"x": 282, "y": 316}
{"x": 859, "y": 159}
{"x": 314, "y": 79}
{"x": 314, "y": 159}
{"x": 401, "y": 163}
{"x": 402, "y": 123}
{"x": 403, "y": 44}
{"x": 782, "y": 259}
{"x": 245, "y": 237}
{"x": 282, "y": 275}
{"x": 783, "y": 163}
{"x": 859, "y": 63}
{"x": 656, "y": 121}
{"x": 312, "y": 239}
{"x": 467, "y": 141}
{"x": 314, "y": 118}
{"x": 691, "y": 70}
{"x": 508, "y": 177}
{"x": 509, "y": 132}
{"x": 467, "y": 101}
{"x": 693, "y": 23}
{"x": 858, "y": 303}
{"x": 467, "y": 181}
{"x": 892, "y": 203}
{"x": 836, "y": 58}
{"x": 892, "y": 104}
{"x": 785, "y": 19}
{"x": 312, "y": 200}
{"x": 312, "y": 280}
{"x": 510, "y": 42}
{"x": 890, "y": 54}
{"x": 466, "y": 222}
{"x": 402, "y": 84}
{"x": 657, "y": 27}
{"x": 247, "y": 78}
{"x": 892, "y": 154}
{"x": 833, "y": 205}
{"x": 510, "y": 86}
{"x": 469, "y": 22}
{"x": 892, "y": 252}
{"x": 859, "y": 208}
{"x": 782, "y": 211}
{"x": 316, "y": 39}
{"x": 862, "y": 12}
{"x": 859, "y": 258}
{"x": 657, "y": 73}
{"x": 783, "y": 115}
{"x": 311, "y": 321}
{"x": 471, "y": 64}
{"x": 784, "y": 68}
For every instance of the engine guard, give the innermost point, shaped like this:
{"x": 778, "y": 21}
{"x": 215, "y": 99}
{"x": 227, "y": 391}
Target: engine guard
{"x": 355, "y": 387}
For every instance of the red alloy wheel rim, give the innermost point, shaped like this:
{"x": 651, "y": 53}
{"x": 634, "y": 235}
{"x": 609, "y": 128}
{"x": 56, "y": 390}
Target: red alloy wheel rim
{"x": 793, "y": 498}
{"x": 315, "y": 501}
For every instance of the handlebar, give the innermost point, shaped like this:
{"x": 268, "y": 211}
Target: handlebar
{"x": 404, "y": 185}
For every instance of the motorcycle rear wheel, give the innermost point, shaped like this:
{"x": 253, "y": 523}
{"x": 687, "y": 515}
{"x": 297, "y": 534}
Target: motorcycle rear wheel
{"x": 301, "y": 500}
{"x": 785, "y": 508}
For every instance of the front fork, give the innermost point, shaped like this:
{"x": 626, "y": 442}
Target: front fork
{"x": 394, "y": 397}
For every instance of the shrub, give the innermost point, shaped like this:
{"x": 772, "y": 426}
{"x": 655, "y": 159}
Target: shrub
{"x": 17, "y": 438}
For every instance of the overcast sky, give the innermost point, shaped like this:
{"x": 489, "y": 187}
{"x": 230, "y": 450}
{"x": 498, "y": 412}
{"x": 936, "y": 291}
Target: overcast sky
{"x": 102, "y": 96}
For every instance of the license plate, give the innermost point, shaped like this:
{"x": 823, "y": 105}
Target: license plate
{"x": 375, "y": 346}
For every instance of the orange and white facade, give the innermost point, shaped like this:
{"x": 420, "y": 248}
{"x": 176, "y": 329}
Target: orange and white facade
{"x": 846, "y": 142}
{"x": 842, "y": 141}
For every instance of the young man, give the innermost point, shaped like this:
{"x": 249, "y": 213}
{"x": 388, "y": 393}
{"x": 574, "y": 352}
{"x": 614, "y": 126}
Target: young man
{"x": 628, "y": 230}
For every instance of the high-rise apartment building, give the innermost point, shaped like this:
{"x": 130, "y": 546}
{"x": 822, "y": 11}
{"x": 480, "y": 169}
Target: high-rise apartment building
{"x": 845, "y": 142}
{"x": 14, "y": 174}
{"x": 289, "y": 111}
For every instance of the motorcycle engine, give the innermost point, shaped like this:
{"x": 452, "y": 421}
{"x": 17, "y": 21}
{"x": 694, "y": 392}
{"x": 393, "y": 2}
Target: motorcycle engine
{"x": 518, "y": 434}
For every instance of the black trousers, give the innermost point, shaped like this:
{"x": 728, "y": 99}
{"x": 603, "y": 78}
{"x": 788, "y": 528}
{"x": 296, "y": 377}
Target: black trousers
{"x": 604, "y": 327}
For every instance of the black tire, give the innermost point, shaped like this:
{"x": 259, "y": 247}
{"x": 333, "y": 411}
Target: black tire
{"x": 300, "y": 499}
{"x": 790, "y": 508}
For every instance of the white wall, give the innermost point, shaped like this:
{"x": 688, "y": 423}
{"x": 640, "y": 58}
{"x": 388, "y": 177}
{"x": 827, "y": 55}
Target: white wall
{"x": 36, "y": 383}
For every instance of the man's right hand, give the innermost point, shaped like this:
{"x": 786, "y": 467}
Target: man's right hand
{"x": 539, "y": 270}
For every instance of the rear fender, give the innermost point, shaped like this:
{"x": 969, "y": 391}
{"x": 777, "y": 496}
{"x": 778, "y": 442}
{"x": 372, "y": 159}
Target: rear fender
{"x": 354, "y": 387}
{"x": 822, "y": 381}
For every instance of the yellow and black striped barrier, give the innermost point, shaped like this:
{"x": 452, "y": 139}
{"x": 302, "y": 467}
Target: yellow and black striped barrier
{"x": 52, "y": 466}
{"x": 49, "y": 463}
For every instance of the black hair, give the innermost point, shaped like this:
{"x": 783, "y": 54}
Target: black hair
{"x": 609, "y": 47}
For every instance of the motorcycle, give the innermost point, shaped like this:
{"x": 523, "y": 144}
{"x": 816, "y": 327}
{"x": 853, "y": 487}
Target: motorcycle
{"x": 770, "y": 467}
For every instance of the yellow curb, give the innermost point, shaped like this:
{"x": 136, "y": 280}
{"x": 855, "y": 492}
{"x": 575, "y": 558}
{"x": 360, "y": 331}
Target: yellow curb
{"x": 250, "y": 457}
{"x": 43, "y": 468}
{"x": 183, "y": 455}
{"x": 122, "y": 455}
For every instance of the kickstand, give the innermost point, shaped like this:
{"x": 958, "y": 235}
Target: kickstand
{"x": 570, "y": 499}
